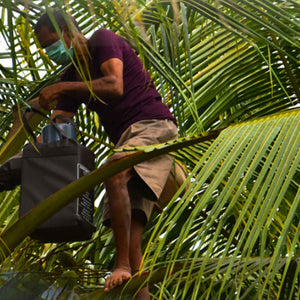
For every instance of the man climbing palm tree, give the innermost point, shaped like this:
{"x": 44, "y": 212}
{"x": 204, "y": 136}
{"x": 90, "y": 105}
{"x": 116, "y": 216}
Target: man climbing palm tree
{"x": 109, "y": 78}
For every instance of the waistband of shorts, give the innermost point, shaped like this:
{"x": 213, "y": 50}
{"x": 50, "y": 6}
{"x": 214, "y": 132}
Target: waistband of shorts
{"x": 154, "y": 121}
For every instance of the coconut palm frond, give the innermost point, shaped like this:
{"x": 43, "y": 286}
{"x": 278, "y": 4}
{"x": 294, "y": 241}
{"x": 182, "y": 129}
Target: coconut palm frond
{"x": 233, "y": 210}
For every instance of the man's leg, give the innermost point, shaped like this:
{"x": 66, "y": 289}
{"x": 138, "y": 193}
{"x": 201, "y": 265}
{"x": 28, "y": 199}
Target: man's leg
{"x": 135, "y": 254}
{"x": 120, "y": 209}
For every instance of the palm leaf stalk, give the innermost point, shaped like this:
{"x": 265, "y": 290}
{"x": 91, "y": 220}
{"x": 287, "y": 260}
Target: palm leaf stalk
{"x": 18, "y": 135}
{"x": 15, "y": 234}
{"x": 180, "y": 273}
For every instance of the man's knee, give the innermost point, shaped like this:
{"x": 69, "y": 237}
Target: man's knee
{"x": 120, "y": 179}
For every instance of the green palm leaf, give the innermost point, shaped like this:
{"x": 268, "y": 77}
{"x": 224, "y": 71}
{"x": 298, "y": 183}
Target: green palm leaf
{"x": 244, "y": 176}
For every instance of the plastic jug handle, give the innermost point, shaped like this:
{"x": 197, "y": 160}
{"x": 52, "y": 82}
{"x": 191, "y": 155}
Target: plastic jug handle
{"x": 53, "y": 121}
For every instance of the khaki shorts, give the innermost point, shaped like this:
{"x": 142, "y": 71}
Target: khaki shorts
{"x": 151, "y": 176}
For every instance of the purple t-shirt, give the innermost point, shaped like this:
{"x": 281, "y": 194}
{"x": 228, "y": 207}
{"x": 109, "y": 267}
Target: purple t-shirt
{"x": 140, "y": 101}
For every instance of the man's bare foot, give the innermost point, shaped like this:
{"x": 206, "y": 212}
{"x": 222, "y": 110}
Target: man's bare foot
{"x": 118, "y": 277}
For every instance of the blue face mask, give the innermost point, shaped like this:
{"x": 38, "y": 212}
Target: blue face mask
{"x": 58, "y": 53}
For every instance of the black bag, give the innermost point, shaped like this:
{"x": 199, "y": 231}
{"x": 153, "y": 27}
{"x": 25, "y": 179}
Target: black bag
{"x": 47, "y": 168}
{"x": 10, "y": 173}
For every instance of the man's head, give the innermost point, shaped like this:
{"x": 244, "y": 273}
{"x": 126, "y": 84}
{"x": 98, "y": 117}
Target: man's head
{"x": 49, "y": 29}
{"x": 61, "y": 19}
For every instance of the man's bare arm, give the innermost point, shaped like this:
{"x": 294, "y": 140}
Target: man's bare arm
{"x": 108, "y": 88}
{"x": 62, "y": 112}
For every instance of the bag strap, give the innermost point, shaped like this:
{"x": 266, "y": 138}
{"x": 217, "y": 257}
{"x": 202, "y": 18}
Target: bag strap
{"x": 26, "y": 123}
{"x": 53, "y": 122}
{"x": 64, "y": 119}
{"x": 70, "y": 121}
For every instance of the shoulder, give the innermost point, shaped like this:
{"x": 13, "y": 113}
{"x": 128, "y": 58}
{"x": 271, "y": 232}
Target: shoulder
{"x": 105, "y": 44}
{"x": 104, "y": 36}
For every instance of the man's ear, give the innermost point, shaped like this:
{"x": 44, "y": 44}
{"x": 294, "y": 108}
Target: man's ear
{"x": 70, "y": 29}
{"x": 65, "y": 30}
{"x": 67, "y": 35}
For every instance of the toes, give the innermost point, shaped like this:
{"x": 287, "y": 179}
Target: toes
{"x": 107, "y": 284}
{"x": 118, "y": 277}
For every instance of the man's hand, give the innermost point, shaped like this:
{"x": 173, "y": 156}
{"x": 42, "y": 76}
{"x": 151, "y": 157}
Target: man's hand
{"x": 49, "y": 94}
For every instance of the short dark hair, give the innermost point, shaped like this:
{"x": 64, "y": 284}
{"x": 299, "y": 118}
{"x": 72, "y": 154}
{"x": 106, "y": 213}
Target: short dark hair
{"x": 60, "y": 18}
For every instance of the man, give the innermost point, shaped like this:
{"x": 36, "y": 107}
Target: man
{"x": 109, "y": 78}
